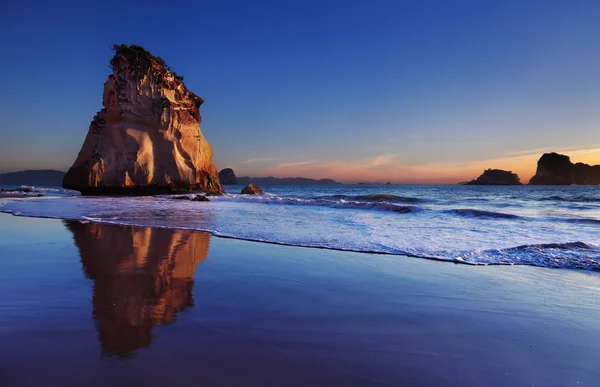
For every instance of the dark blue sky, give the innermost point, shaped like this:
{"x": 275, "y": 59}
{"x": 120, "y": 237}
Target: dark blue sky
{"x": 396, "y": 89}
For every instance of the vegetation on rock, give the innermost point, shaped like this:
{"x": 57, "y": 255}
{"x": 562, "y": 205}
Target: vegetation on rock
{"x": 139, "y": 58}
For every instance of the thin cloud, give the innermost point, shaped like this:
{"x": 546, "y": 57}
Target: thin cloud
{"x": 539, "y": 151}
{"x": 384, "y": 159}
{"x": 297, "y": 163}
{"x": 259, "y": 160}
{"x": 387, "y": 168}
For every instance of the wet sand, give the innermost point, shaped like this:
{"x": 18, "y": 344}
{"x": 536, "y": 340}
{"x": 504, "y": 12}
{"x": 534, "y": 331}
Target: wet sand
{"x": 90, "y": 304}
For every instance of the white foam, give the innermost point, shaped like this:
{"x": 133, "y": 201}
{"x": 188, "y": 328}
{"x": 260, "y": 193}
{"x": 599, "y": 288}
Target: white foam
{"x": 430, "y": 230}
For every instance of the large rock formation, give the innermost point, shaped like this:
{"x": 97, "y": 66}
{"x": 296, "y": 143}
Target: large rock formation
{"x": 496, "y": 177}
{"x": 227, "y": 176}
{"x": 147, "y": 137}
{"x": 557, "y": 169}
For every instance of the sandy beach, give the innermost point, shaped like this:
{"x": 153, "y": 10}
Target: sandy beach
{"x": 91, "y": 304}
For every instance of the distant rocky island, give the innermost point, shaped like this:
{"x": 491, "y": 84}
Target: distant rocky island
{"x": 147, "y": 138}
{"x": 284, "y": 181}
{"x": 557, "y": 169}
{"x": 552, "y": 169}
{"x": 33, "y": 177}
{"x": 227, "y": 176}
{"x": 496, "y": 177}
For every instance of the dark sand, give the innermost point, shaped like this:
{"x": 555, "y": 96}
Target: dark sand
{"x": 99, "y": 305}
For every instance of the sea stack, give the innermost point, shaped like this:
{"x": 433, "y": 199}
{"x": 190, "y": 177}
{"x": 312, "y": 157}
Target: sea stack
{"x": 557, "y": 169}
{"x": 227, "y": 176}
{"x": 147, "y": 139}
{"x": 496, "y": 177}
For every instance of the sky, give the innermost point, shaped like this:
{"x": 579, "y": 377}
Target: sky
{"x": 402, "y": 91}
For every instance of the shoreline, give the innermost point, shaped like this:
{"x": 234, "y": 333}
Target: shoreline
{"x": 217, "y": 235}
{"x": 549, "y": 228}
{"x": 457, "y": 261}
{"x": 155, "y": 303}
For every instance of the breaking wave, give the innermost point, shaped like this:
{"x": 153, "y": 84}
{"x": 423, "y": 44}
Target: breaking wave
{"x": 377, "y": 198}
{"x": 572, "y": 255}
{"x": 336, "y": 201}
{"x": 469, "y": 212}
{"x": 575, "y": 199}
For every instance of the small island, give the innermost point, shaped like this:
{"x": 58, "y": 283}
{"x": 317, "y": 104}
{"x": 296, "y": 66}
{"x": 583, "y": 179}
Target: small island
{"x": 227, "y": 176}
{"x": 556, "y": 169}
{"x": 496, "y": 177}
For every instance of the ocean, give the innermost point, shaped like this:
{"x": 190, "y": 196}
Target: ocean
{"x": 547, "y": 226}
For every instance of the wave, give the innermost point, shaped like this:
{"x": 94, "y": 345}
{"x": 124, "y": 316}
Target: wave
{"x": 324, "y": 201}
{"x": 557, "y": 246}
{"x": 376, "y": 198}
{"x": 575, "y": 199}
{"x": 590, "y": 221}
{"x": 32, "y": 190}
{"x": 572, "y": 255}
{"x": 469, "y": 212}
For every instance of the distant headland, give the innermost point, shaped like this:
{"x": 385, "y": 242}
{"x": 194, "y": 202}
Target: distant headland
{"x": 557, "y": 169}
{"x": 48, "y": 177}
{"x": 228, "y": 177}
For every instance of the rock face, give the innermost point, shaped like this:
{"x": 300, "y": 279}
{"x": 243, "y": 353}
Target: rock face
{"x": 227, "y": 176}
{"x": 557, "y": 169}
{"x": 251, "y": 189}
{"x": 496, "y": 177}
{"x": 147, "y": 137}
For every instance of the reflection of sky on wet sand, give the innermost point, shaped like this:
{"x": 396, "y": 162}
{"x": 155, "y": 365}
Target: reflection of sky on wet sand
{"x": 277, "y": 316}
{"x": 142, "y": 278}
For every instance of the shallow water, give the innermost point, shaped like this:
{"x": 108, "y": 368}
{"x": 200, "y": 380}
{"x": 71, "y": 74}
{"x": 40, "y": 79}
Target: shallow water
{"x": 542, "y": 226}
{"x": 96, "y": 305}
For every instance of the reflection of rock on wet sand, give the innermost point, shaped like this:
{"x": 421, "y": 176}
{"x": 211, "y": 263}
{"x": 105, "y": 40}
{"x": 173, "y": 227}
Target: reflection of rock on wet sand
{"x": 142, "y": 278}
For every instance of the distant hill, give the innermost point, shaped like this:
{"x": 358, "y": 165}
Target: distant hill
{"x": 284, "y": 181}
{"x": 33, "y": 177}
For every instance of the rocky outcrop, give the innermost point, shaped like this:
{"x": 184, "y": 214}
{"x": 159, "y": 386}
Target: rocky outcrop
{"x": 197, "y": 198}
{"x": 557, "y": 169}
{"x": 143, "y": 277}
{"x": 227, "y": 176}
{"x": 496, "y": 177}
{"x": 147, "y": 138}
{"x": 251, "y": 189}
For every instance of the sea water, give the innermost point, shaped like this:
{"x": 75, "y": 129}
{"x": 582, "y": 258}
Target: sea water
{"x": 555, "y": 227}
